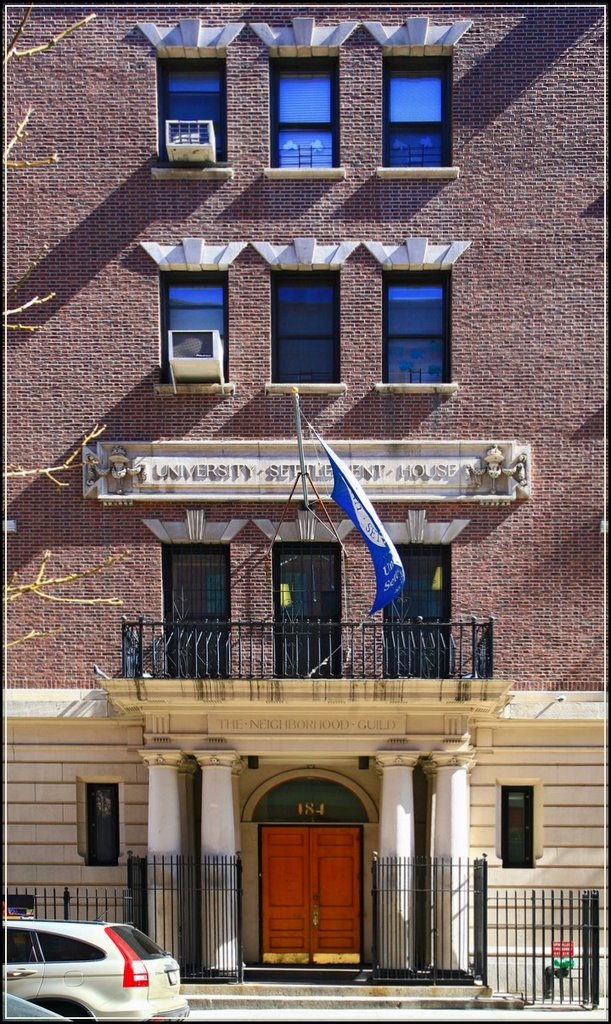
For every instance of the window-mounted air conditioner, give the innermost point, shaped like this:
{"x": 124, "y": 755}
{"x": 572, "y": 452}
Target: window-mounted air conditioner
{"x": 190, "y": 140}
{"x": 196, "y": 357}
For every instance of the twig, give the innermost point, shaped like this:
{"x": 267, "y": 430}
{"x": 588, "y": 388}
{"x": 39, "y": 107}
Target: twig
{"x": 32, "y": 635}
{"x": 69, "y": 464}
{"x": 13, "y": 591}
{"x": 14, "y": 52}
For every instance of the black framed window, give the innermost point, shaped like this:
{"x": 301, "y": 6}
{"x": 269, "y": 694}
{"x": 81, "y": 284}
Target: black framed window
{"x": 304, "y": 114}
{"x": 305, "y": 328}
{"x": 192, "y": 302}
{"x": 102, "y": 800}
{"x": 307, "y": 610}
{"x": 193, "y": 90}
{"x": 416, "y": 113}
{"x": 416, "y": 328}
{"x": 196, "y": 610}
{"x": 517, "y": 822}
{"x": 417, "y": 633}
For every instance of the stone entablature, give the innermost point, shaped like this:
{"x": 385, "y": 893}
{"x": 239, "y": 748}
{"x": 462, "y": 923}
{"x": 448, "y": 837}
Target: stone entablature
{"x": 466, "y": 471}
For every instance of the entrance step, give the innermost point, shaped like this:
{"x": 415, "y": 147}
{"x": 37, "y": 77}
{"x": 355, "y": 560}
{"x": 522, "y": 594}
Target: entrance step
{"x": 364, "y": 995}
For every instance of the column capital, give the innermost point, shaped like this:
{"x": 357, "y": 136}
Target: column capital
{"x": 396, "y": 759}
{"x": 218, "y": 759}
{"x": 163, "y": 758}
{"x": 447, "y": 759}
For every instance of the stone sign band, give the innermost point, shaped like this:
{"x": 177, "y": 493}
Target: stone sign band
{"x": 268, "y": 471}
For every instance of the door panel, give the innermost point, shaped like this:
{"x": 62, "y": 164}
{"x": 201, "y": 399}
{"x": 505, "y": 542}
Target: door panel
{"x": 311, "y": 894}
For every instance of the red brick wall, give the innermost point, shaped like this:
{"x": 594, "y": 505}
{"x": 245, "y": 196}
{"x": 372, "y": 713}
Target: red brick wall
{"x": 527, "y": 314}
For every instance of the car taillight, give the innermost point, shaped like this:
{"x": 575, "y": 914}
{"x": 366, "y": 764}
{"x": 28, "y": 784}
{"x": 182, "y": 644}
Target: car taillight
{"x": 135, "y": 974}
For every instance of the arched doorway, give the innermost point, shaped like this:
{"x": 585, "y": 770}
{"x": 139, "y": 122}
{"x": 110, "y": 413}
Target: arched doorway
{"x": 310, "y": 858}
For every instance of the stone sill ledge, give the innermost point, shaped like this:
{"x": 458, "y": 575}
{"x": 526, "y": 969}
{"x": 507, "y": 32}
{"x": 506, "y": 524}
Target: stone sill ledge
{"x": 416, "y": 389}
{"x": 305, "y": 173}
{"x": 195, "y": 389}
{"x": 306, "y": 389}
{"x": 163, "y": 173}
{"x": 418, "y": 173}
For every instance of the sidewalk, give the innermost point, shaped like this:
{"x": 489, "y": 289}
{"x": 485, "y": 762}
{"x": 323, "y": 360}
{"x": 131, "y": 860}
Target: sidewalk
{"x": 567, "y": 1014}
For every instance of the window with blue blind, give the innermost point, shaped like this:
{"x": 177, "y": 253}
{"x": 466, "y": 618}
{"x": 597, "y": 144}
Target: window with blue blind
{"x": 193, "y": 302}
{"x": 305, "y": 329}
{"x": 304, "y": 102}
{"x": 416, "y": 329}
{"x": 416, "y": 113}
{"x": 191, "y": 91}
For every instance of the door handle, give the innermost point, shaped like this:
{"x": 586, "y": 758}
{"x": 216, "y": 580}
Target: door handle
{"x": 21, "y": 972}
{"x": 315, "y": 915}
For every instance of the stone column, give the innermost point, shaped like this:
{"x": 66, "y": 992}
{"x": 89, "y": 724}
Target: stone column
{"x": 165, "y": 835}
{"x": 450, "y": 868}
{"x": 220, "y": 949}
{"x": 396, "y": 866}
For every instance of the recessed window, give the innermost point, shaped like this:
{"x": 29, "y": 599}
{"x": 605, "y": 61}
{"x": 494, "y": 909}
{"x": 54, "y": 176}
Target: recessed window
{"x": 192, "y": 92}
{"x": 304, "y": 115}
{"x": 416, "y": 319}
{"x": 307, "y": 610}
{"x": 416, "y": 625}
{"x": 196, "y": 610}
{"x": 102, "y": 824}
{"x": 195, "y": 323}
{"x": 517, "y": 826}
{"x": 416, "y": 119}
{"x": 305, "y": 329}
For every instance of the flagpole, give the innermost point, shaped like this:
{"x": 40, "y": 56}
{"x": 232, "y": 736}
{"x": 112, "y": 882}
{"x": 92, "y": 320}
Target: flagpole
{"x": 303, "y": 474}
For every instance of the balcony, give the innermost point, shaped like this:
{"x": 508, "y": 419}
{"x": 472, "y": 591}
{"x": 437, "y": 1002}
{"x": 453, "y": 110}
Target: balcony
{"x": 308, "y": 650}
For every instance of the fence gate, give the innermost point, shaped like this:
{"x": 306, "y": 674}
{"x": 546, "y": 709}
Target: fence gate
{"x": 429, "y": 920}
{"x": 193, "y": 907}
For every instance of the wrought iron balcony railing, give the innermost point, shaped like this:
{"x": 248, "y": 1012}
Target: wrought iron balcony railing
{"x": 307, "y": 649}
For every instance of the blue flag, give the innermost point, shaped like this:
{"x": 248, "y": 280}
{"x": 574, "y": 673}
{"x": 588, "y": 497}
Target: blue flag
{"x": 349, "y": 495}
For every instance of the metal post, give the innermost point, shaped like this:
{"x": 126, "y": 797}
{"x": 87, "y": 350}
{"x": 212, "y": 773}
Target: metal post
{"x": 302, "y": 467}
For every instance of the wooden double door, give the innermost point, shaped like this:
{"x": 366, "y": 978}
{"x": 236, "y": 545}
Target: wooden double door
{"x": 311, "y": 894}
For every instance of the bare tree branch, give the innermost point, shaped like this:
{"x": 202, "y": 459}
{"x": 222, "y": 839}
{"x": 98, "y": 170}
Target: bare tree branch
{"x": 14, "y": 52}
{"x": 39, "y": 586}
{"x": 69, "y": 464}
{"x": 28, "y": 273}
{"x": 34, "y": 634}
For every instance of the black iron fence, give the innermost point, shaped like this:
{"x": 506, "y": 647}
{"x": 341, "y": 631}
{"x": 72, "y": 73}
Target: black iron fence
{"x": 429, "y": 920}
{"x": 434, "y": 921}
{"x": 545, "y": 945}
{"x": 307, "y": 649}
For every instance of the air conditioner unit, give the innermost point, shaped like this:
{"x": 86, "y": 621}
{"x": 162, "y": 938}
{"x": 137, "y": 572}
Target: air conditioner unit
{"x": 190, "y": 140}
{"x": 196, "y": 357}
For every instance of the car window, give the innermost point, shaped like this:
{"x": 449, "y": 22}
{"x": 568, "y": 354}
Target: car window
{"x": 61, "y": 948}
{"x": 141, "y": 944}
{"x": 20, "y": 946}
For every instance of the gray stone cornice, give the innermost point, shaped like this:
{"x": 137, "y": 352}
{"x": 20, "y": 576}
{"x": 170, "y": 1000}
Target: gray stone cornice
{"x": 417, "y": 37}
{"x": 194, "y": 254}
{"x": 189, "y": 38}
{"x": 303, "y": 38}
{"x": 195, "y": 529}
{"x": 417, "y": 254}
{"x": 305, "y": 254}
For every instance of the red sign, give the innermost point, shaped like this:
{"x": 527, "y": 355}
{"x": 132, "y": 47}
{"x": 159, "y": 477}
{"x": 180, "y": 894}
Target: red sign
{"x": 562, "y": 949}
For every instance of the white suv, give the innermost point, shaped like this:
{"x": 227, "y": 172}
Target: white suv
{"x": 92, "y": 969}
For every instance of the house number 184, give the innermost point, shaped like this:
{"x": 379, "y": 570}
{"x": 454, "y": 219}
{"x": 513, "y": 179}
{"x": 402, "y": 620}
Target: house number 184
{"x": 309, "y": 809}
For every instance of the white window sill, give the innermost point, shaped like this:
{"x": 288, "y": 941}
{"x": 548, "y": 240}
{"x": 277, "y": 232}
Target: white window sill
{"x": 418, "y": 173}
{"x": 416, "y": 389}
{"x": 162, "y": 172}
{"x": 305, "y": 173}
{"x": 305, "y": 389}
{"x": 195, "y": 389}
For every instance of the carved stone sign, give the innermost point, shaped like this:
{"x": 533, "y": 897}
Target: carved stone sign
{"x": 473, "y": 471}
{"x": 331, "y": 723}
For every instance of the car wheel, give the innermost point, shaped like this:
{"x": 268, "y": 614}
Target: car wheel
{"x": 66, "y": 1009}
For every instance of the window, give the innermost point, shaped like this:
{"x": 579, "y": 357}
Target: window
{"x": 191, "y": 303}
{"x": 416, "y": 329}
{"x": 305, "y": 329}
{"x": 65, "y": 949}
{"x": 196, "y": 610}
{"x": 416, "y": 118}
{"x": 102, "y": 824}
{"x": 416, "y": 625}
{"x": 189, "y": 91}
{"x": 304, "y": 114}
{"x": 307, "y": 607}
{"x": 517, "y": 826}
